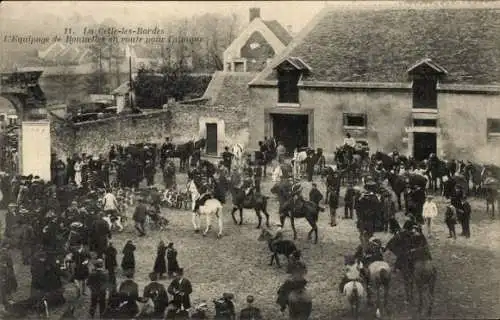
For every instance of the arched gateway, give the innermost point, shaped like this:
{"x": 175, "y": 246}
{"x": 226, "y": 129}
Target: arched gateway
{"x": 24, "y": 92}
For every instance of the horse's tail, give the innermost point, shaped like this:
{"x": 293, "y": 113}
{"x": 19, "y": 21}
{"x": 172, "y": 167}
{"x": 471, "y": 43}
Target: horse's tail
{"x": 385, "y": 277}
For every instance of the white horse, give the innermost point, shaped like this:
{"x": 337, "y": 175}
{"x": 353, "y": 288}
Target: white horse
{"x": 211, "y": 207}
{"x": 238, "y": 151}
{"x": 115, "y": 225}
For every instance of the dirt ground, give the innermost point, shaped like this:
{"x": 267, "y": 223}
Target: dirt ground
{"x": 468, "y": 279}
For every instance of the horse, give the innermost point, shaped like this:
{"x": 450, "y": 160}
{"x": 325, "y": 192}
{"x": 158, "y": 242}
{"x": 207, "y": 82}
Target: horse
{"x": 299, "y": 163}
{"x": 349, "y": 162}
{"x": 491, "y": 191}
{"x": 436, "y": 169}
{"x": 416, "y": 265}
{"x": 301, "y": 209}
{"x": 211, "y": 207}
{"x": 353, "y": 290}
{"x": 254, "y": 200}
{"x": 400, "y": 182}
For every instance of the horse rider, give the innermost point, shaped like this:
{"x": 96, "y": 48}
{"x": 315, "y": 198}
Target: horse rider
{"x": 297, "y": 194}
{"x": 349, "y": 141}
{"x": 371, "y": 252}
{"x": 248, "y": 182}
{"x": 351, "y": 272}
{"x": 207, "y": 194}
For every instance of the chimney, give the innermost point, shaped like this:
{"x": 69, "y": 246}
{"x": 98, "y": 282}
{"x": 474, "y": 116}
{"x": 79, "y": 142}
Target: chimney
{"x": 254, "y": 13}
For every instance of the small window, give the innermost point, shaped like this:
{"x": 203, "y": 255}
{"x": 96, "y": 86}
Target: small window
{"x": 425, "y": 94}
{"x": 239, "y": 67}
{"x": 424, "y": 122}
{"x": 288, "y": 89}
{"x": 355, "y": 120}
{"x": 493, "y": 127}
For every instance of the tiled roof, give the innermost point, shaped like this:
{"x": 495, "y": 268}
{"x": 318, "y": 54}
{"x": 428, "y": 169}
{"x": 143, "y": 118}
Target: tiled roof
{"x": 231, "y": 90}
{"x": 280, "y": 32}
{"x": 381, "y": 45}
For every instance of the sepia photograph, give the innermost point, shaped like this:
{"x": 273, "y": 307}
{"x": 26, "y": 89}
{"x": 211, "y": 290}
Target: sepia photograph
{"x": 250, "y": 160}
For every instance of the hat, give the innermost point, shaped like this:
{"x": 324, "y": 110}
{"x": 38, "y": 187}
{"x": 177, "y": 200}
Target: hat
{"x": 180, "y": 271}
{"x": 250, "y": 299}
{"x": 227, "y": 295}
{"x": 99, "y": 263}
{"x": 170, "y": 245}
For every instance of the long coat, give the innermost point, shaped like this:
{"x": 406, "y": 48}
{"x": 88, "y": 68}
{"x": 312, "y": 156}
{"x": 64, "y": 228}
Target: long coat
{"x": 183, "y": 287}
{"x": 173, "y": 265}
{"x": 128, "y": 261}
{"x": 160, "y": 265}
{"x": 81, "y": 260}
{"x": 99, "y": 235}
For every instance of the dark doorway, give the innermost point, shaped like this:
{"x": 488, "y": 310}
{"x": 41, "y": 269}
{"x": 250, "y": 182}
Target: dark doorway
{"x": 292, "y": 130}
{"x": 211, "y": 138}
{"x": 424, "y": 144}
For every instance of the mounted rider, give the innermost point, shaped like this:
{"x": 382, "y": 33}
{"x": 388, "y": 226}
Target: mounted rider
{"x": 296, "y": 194}
{"x": 369, "y": 252}
{"x": 351, "y": 272}
{"x": 205, "y": 193}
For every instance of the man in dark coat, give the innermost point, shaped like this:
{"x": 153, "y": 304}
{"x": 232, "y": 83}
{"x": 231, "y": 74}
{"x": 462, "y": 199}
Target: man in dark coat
{"x": 349, "y": 196}
{"x": 98, "y": 284}
{"x": 158, "y": 294}
{"x": 130, "y": 290}
{"x": 99, "y": 235}
{"x": 227, "y": 158}
{"x": 110, "y": 264}
{"x": 139, "y": 217}
{"x": 180, "y": 288}
{"x": 465, "y": 211}
{"x": 149, "y": 172}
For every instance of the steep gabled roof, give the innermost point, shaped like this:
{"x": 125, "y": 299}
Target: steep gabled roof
{"x": 229, "y": 88}
{"x": 380, "y": 45}
{"x": 280, "y": 32}
{"x": 429, "y": 63}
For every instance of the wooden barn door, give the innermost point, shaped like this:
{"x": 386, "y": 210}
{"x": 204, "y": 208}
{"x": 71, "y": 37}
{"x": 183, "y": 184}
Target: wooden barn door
{"x": 211, "y": 138}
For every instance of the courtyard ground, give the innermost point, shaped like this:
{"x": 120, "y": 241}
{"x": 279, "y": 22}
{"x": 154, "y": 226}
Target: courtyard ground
{"x": 468, "y": 283}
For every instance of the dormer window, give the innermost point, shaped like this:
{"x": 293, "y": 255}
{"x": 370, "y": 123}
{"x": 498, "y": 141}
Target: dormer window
{"x": 425, "y": 75}
{"x": 289, "y": 73}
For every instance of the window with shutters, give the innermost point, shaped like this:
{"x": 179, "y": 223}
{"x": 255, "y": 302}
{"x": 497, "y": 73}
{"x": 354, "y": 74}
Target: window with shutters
{"x": 355, "y": 120}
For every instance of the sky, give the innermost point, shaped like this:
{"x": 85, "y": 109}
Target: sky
{"x": 293, "y": 13}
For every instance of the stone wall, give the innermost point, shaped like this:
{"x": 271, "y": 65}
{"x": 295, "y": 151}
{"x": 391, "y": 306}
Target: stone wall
{"x": 461, "y": 120}
{"x": 180, "y": 122}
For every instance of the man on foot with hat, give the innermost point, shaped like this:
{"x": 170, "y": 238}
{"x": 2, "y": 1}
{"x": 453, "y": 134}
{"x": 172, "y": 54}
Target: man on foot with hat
{"x": 98, "y": 283}
{"x": 180, "y": 288}
{"x": 158, "y": 294}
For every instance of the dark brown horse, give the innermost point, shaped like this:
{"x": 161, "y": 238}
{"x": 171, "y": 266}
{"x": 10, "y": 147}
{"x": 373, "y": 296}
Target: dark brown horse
{"x": 253, "y": 200}
{"x": 185, "y": 151}
{"x": 415, "y": 263}
{"x": 301, "y": 209}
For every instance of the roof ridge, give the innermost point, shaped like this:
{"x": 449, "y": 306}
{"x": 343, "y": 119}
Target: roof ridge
{"x": 297, "y": 40}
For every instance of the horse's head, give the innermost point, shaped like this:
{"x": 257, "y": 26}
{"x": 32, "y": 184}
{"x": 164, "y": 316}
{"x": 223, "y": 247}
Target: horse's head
{"x": 265, "y": 235}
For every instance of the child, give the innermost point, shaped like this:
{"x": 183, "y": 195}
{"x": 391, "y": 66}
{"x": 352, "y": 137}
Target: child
{"x": 172, "y": 264}
{"x": 128, "y": 261}
{"x": 429, "y": 212}
{"x": 451, "y": 219}
{"x": 160, "y": 267}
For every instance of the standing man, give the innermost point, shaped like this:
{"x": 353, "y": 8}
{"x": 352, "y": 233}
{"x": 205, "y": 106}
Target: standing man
{"x": 280, "y": 152}
{"x": 465, "y": 222}
{"x": 257, "y": 178}
{"x": 97, "y": 282}
{"x": 140, "y": 214}
{"x": 166, "y": 151}
{"x": 250, "y": 312}
{"x": 315, "y": 195}
{"x": 264, "y": 150}
{"x": 227, "y": 159}
{"x": 110, "y": 264}
{"x": 180, "y": 288}
{"x": 349, "y": 198}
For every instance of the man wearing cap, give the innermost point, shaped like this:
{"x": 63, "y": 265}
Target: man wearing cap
{"x": 180, "y": 288}
{"x": 98, "y": 283}
{"x": 224, "y": 307}
{"x": 369, "y": 253}
{"x": 250, "y": 312}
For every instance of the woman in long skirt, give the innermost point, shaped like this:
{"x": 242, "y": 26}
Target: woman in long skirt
{"x": 128, "y": 261}
{"x": 173, "y": 265}
{"x": 160, "y": 266}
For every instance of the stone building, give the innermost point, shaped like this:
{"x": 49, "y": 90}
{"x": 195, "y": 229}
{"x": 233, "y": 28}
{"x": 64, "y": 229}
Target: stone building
{"x": 419, "y": 78}
{"x": 256, "y": 45}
